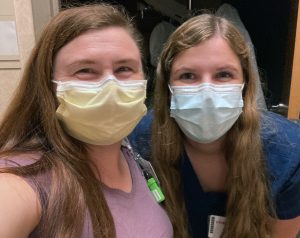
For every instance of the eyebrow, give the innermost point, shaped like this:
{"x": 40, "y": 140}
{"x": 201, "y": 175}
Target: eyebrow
{"x": 184, "y": 68}
{"x": 127, "y": 60}
{"x": 225, "y": 67}
{"x": 229, "y": 66}
{"x": 91, "y": 62}
{"x": 81, "y": 62}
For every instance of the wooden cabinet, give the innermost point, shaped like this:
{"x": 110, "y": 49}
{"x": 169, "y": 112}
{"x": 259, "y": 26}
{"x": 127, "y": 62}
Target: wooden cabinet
{"x": 294, "y": 97}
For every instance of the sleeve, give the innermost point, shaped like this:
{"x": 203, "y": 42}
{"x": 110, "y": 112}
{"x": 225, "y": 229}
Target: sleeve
{"x": 140, "y": 138}
{"x": 281, "y": 142}
{"x": 288, "y": 200}
{"x": 40, "y": 182}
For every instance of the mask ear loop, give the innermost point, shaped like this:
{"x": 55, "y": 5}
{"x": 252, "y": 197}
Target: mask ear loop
{"x": 170, "y": 89}
{"x": 242, "y": 87}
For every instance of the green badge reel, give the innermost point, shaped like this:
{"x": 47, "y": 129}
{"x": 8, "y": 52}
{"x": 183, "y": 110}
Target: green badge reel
{"x": 154, "y": 187}
{"x": 151, "y": 178}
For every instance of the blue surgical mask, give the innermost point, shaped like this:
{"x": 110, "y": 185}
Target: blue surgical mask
{"x": 205, "y": 112}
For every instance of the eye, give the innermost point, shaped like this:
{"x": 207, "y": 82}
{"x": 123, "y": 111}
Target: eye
{"x": 224, "y": 75}
{"x": 124, "y": 72}
{"x": 85, "y": 71}
{"x": 86, "y": 74}
{"x": 187, "y": 76}
{"x": 123, "y": 69}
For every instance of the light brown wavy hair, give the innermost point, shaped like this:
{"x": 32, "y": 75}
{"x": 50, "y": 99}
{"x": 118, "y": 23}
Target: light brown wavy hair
{"x": 30, "y": 125}
{"x": 248, "y": 205}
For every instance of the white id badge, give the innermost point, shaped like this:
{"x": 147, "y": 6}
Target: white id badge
{"x": 215, "y": 226}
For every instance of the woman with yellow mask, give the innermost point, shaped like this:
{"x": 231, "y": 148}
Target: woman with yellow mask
{"x": 66, "y": 168}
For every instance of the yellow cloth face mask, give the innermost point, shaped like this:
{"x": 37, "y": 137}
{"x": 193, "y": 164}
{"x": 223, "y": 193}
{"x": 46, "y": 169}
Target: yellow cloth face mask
{"x": 100, "y": 113}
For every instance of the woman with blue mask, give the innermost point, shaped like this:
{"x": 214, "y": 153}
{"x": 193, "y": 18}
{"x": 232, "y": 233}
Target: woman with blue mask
{"x": 66, "y": 167}
{"x": 227, "y": 169}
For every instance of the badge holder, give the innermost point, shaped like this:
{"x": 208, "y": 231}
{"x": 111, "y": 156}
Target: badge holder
{"x": 151, "y": 178}
{"x": 215, "y": 226}
{"x": 148, "y": 173}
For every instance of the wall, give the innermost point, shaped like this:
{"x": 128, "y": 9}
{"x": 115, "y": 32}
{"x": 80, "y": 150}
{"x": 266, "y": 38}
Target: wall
{"x": 21, "y": 12}
{"x": 30, "y": 17}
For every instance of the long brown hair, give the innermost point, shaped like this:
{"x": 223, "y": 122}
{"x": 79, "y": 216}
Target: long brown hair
{"x": 248, "y": 205}
{"x": 31, "y": 125}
